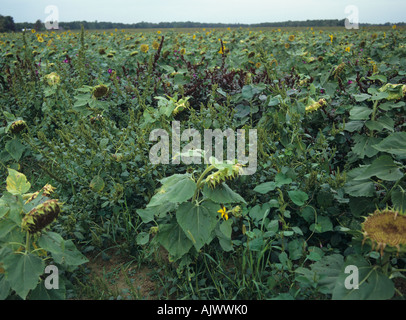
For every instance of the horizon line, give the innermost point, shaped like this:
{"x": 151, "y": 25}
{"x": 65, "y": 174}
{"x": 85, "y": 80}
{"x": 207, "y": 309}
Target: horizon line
{"x": 219, "y": 23}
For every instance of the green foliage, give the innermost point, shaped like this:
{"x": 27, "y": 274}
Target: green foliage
{"x": 330, "y": 118}
{"x": 194, "y": 219}
{"x": 24, "y": 255}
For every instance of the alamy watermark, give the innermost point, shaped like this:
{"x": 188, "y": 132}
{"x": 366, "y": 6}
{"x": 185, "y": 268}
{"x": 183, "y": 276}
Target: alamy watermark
{"x": 51, "y": 21}
{"x": 193, "y": 152}
{"x": 352, "y": 281}
{"x": 352, "y": 19}
{"x": 52, "y": 281}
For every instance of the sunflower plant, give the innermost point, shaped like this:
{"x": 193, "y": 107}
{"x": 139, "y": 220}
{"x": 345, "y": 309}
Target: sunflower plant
{"x": 376, "y": 248}
{"x": 27, "y": 245}
{"x": 377, "y": 245}
{"x": 89, "y": 99}
{"x": 11, "y": 137}
{"x": 190, "y": 211}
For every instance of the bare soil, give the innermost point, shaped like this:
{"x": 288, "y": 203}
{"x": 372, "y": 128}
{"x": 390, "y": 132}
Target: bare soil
{"x": 117, "y": 276}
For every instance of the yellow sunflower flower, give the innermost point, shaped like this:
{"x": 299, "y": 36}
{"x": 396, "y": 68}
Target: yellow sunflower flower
{"x": 386, "y": 231}
{"x": 144, "y": 48}
{"x": 223, "y": 212}
{"x": 155, "y": 45}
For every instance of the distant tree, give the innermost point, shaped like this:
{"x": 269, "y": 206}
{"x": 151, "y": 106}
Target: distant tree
{"x": 10, "y": 25}
{"x": 7, "y": 24}
{"x": 38, "y": 25}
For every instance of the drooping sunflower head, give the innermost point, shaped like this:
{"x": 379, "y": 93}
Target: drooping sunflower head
{"x": 385, "y": 230}
{"x": 313, "y": 106}
{"x": 53, "y": 78}
{"x": 236, "y": 211}
{"x": 165, "y": 54}
{"x": 338, "y": 69}
{"x": 222, "y": 175}
{"x": 17, "y": 126}
{"x": 144, "y": 48}
{"x": 155, "y": 45}
{"x": 134, "y": 53}
{"x": 181, "y": 105}
{"x": 41, "y": 216}
{"x": 395, "y": 91}
{"x": 100, "y": 91}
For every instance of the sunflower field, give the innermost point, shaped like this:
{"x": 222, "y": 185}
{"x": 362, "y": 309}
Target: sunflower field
{"x": 322, "y": 217}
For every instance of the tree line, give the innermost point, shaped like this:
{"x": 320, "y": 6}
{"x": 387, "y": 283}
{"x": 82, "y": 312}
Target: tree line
{"x": 102, "y": 25}
{"x": 7, "y": 24}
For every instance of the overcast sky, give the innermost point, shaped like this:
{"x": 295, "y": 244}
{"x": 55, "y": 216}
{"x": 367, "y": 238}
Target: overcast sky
{"x": 225, "y": 11}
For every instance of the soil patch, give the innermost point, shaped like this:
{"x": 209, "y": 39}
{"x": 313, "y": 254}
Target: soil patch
{"x": 117, "y": 277}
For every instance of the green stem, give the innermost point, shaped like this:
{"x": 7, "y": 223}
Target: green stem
{"x": 199, "y": 181}
{"x": 3, "y": 165}
{"x": 393, "y": 188}
{"x": 375, "y": 109}
{"x": 27, "y": 243}
{"x": 385, "y": 263}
